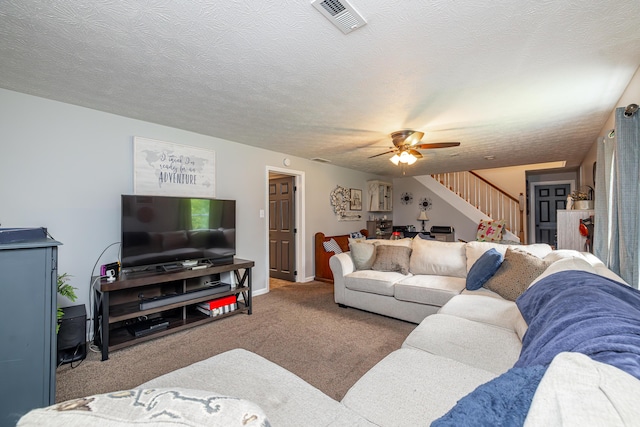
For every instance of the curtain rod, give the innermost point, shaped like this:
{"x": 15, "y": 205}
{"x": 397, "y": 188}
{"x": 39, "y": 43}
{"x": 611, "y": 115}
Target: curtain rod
{"x": 630, "y": 110}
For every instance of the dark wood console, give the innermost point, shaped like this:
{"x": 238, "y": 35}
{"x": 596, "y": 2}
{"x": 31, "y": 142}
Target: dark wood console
{"x": 175, "y": 295}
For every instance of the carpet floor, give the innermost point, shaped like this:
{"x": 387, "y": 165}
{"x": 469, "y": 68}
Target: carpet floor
{"x": 296, "y": 325}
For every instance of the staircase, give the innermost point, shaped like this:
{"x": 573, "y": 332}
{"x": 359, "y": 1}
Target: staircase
{"x": 487, "y": 198}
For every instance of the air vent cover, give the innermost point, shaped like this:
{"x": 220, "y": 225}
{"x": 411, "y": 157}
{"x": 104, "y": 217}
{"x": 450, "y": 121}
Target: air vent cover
{"x": 321, "y": 160}
{"x": 341, "y": 13}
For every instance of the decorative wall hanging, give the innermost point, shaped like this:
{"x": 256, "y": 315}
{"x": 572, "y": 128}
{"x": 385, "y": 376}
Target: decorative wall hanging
{"x": 406, "y": 198}
{"x": 425, "y": 204}
{"x": 355, "y": 199}
{"x": 164, "y": 168}
{"x": 341, "y": 202}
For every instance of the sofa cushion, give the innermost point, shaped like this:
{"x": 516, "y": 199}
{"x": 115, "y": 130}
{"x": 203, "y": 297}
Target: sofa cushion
{"x": 438, "y": 258}
{"x": 578, "y": 391}
{"x": 161, "y": 406}
{"x": 363, "y": 255}
{"x": 503, "y": 401}
{"x": 493, "y": 311}
{"x": 392, "y": 258}
{"x": 484, "y": 269}
{"x": 286, "y": 398}
{"x": 477, "y": 344}
{"x": 432, "y": 290}
{"x": 412, "y": 387}
{"x": 374, "y": 282}
{"x": 490, "y": 230}
{"x": 515, "y": 274}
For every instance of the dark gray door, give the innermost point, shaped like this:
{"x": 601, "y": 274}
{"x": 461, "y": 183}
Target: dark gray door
{"x": 549, "y": 198}
{"x": 282, "y": 248}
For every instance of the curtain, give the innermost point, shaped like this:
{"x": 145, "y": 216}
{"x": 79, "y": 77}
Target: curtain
{"x": 617, "y": 228}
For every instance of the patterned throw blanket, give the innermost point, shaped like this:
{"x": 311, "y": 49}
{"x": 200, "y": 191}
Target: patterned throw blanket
{"x": 571, "y": 311}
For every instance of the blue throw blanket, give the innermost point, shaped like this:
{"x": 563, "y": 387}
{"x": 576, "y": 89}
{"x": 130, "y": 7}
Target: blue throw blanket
{"x": 583, "y": 313}
{"x": 567, "y": 311}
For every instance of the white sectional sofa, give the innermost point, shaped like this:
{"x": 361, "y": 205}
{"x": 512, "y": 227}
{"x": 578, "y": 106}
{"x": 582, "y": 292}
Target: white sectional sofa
{"x": 437, "y": 272}
{"x": 463, "y": 365}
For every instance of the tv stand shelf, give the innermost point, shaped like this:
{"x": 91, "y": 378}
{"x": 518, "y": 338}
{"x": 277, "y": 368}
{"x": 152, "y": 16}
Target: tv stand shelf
{"x": 117, "y": 304}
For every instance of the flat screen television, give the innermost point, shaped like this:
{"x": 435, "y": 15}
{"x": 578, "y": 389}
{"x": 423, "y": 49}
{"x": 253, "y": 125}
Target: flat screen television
{"x": 167, "y": 231}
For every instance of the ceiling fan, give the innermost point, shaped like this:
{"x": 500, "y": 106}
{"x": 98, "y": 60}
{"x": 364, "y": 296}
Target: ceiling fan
{"x": 406, "y": 148}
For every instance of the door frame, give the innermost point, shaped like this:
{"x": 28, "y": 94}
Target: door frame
{"x": 532, "y": 202}
{"x": 299, "y": 202}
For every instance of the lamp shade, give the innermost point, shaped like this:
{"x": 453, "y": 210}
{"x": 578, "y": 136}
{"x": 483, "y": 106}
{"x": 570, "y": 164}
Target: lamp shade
{"x": 423, "y": 216}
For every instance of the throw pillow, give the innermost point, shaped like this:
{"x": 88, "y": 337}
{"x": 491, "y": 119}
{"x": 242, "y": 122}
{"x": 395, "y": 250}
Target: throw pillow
{"x": 363, "y": 254}
{"x": 516, "y": 273}
{"x": 392, "y": 258}
{"x": 438, "y": 258}
{"x": 357, "y": 239}
{"x": 490, "y": 231}
{"x": 160, "y": 406}
{"x": 332, "y": 246}
{"x": 400, "y": 242}
{"x": 483, "y": 269}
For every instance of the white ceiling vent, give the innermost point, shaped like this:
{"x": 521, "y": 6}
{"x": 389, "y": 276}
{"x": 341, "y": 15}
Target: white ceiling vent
{"x": 341, "y": 13}
{"x": 320, "y": 160}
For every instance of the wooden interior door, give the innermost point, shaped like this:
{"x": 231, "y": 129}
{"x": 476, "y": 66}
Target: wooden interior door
{"x": 282, "y": 231}
{"x": 549, "y": 198}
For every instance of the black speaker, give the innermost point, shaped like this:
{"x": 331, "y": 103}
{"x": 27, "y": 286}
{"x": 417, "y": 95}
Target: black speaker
{"x": 72, "y": 335}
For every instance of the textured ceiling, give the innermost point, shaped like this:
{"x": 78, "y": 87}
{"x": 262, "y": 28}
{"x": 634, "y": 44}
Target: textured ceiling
{"x": 526, "y": 81}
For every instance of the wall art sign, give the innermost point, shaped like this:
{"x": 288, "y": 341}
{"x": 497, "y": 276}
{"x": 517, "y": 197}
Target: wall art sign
{"x": 168, "y": 169}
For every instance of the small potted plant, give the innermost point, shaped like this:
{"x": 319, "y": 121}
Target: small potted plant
{"x": 582, "y": 199}
{"x": 66, "y": 290}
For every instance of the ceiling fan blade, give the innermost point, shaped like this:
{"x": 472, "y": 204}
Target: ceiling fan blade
{"x": 437, "y": 145}
{"x": 382, "y": 154}
{"x": 416, "y": 153}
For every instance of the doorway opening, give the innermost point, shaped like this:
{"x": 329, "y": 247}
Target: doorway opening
{"x": 546, "y": 198}
{"x": 285, "y": 225}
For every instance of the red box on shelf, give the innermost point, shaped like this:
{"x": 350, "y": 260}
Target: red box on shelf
{"x": 220, "y": 302}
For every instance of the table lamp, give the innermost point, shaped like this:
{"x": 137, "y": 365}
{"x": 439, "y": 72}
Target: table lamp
{"x": 423, "y": 217}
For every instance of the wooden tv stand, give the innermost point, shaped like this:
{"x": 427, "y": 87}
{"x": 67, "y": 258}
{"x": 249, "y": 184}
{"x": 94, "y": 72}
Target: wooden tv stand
{"x": 117, "y": 304}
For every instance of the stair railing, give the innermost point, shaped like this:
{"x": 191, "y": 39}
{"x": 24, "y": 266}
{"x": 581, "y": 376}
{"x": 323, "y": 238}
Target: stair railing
{"x": 486, "y": 197}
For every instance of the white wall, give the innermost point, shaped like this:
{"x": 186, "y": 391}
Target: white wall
{"x": 64, "y": 167}
{"x": 512, "y": 179}
{"x": 631, "y": 95}
{"x": 441, "y": 212}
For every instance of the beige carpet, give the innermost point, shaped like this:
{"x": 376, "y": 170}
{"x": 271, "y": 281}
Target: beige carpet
{"x": 298, "y": 326}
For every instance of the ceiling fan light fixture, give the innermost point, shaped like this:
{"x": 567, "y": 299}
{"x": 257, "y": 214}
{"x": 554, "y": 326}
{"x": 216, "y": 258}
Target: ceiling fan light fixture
{"x": 404, "y": 157}
{"x": 414, "y": 138}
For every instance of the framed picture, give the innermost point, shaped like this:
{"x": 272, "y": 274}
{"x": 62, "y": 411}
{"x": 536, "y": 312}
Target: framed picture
{"x": 168, "y": 169}
{"x": 355, "y": 200}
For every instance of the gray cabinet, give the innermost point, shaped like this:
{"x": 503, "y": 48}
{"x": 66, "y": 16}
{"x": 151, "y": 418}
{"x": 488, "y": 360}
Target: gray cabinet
{"x": 28, "y": 275}
{"x": 380, "y": 228}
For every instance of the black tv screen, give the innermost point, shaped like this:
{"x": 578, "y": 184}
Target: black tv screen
{"x": 159, "y": 230}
